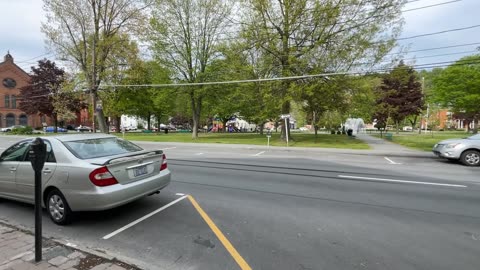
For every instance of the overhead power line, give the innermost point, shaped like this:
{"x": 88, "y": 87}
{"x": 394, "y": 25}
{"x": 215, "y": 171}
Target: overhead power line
{"x": 429, "y": 6}
{"x": 29, "y": 60}
{"x": 437, "y": 48}
{"x": 422, "y": 66}
{"x": 440, "y": 32}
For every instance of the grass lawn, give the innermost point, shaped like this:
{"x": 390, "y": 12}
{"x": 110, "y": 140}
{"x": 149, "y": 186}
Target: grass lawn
{"x": 299, "y": 139}
{"x": 423, "y": 141}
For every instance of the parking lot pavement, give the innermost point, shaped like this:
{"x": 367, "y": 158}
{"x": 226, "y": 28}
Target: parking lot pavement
{"x": 177, "y": 237}
{"x": 17, "y": 252}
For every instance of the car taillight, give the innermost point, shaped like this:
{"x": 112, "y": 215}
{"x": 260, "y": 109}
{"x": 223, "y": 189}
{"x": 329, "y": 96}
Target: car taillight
{"x": 102, "y": 177}
{"x": 164, "y": 163}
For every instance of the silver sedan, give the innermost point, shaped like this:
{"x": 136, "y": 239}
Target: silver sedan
{"x": 466, "y": 150}
{"x": 84, "y": 172}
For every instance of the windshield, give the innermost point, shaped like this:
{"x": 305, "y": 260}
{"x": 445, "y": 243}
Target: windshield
{"x": 474, "y": 137}
{"x": 95, "y": 148}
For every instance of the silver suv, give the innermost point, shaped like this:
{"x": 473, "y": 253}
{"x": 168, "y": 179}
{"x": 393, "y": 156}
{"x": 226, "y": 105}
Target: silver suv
{"x": 466, "y": 150}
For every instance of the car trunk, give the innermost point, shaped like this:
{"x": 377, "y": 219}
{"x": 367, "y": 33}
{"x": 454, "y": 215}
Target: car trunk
{"x": 132, "y": 167}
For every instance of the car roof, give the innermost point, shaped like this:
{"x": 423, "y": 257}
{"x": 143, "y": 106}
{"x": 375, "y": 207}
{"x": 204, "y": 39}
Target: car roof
{"x": 78, "y": 137}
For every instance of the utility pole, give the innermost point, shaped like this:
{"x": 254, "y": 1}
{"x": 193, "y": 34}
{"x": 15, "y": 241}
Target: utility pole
{"x": 423, "y": 97}
{"x": 426, "y": 120}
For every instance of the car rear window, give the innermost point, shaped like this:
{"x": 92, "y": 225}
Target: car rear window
{"x": 102, "y": 147}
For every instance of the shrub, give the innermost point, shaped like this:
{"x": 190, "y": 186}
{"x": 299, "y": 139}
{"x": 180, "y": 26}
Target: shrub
{"x": 22, "y": 131}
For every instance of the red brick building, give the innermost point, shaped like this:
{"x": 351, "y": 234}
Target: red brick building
{"x": 12, "y": 78}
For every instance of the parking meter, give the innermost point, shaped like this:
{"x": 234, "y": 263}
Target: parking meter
{"x": 269, "y": 134}
{"x": 38, "y": 155}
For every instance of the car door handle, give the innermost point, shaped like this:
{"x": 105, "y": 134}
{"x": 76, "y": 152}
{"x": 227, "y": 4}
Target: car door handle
{"x": 13, "y": 169}
{"x": 47, "y": 171}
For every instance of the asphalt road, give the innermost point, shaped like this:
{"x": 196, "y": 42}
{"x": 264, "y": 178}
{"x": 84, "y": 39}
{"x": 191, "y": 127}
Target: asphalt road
{"x": 290, "y": 210}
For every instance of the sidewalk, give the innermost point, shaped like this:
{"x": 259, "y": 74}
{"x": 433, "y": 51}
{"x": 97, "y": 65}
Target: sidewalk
{"x": 17, "y": 253}
{"x": 384, "y": 146}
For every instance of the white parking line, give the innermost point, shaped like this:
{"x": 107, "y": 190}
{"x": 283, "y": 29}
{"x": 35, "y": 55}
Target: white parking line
{"x": 258, "y": 154}
{"x": 392, "y": 162}
{"x": 108, "y": 236}
{"x": 169, "y": 148}
{"x": 400, "y": 181}
{"x": 198, "y": 154}
{"x": 179, "y": 194}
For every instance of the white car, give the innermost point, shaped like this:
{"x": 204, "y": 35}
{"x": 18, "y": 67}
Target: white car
{"x": 8, "y": 129}
{"x": 466, "y": 150}
{"x": 83, "y": 172}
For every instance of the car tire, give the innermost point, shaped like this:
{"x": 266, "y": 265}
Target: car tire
{"x": 58, "y": 208}
{"x": 470, "y": 158}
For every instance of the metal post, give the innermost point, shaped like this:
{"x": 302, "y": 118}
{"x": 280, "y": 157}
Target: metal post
{"x": 38, "y": 215}
{"x": 37, "y": 155}
{"x": 426, "y": 120}
{"x": 286, "y": 130}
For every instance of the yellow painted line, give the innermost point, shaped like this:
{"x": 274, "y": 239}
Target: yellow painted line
{"x": 233, "y": 252}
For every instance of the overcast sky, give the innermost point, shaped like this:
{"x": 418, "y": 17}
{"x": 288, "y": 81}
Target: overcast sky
{"x": 20, "y": 30}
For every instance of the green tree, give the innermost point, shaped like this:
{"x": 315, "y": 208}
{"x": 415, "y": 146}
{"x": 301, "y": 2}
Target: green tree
{"x": 185, "y": 35}
{"x": 458, "y": 88}
{"x": 44, "y": 91}
{"x": 304, "y": 35}
{"x": 400, "y": 94}
{"x": 84, "y": 32}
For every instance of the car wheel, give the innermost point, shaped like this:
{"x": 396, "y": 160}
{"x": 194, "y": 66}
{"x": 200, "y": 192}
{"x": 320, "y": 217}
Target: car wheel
{"x": 470, "y": 158}
{"x": 58, "y": 208}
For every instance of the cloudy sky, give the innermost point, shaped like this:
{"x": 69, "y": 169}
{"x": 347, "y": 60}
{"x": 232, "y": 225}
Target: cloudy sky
{"x": 20, "y": 30}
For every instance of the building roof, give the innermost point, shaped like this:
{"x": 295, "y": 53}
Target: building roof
{"x": 9, "y": 64}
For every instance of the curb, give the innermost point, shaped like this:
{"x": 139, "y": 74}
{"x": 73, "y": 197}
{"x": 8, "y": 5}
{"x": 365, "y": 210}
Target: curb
{"x": 105, "y": 256}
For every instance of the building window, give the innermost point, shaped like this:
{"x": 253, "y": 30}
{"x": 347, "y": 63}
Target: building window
{"x": 10, "y": 120}
{"x": 7, "y": 101}
{"x": 23, "y": 120}
{"x": 14, "y": 102}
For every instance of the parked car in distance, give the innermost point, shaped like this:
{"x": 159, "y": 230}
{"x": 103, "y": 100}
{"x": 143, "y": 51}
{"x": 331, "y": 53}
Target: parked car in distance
{"x": 466, "y": 150}
{"x": 8, "y": 129}
{"x": 52, "y": 129}
{"x": 83, "y": 172}
{"x": 84, "y": 129}
{"x": 407, "y": 128}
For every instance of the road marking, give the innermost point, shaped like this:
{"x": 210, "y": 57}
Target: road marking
{"x": 400, "y": 181}
{"x": 108, "y": 236}
{"x": 228, "y": 246}
{"x": 169, "y": 148}
{"x": 179, "y": 194}
{"x": 391, "y": 161}
{"x": 198, "y": 154}
{"x": 258, "y": 154}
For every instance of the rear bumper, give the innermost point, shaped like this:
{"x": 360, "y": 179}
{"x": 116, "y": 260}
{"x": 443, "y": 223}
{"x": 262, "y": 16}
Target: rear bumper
{"x": 103, "y": 198}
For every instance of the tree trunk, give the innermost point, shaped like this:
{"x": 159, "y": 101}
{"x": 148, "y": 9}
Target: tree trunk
{"x": 118, "y": 121}
{"x": 398, "y": 125}
{"x": 149, "y": 118}
{"x": 475, "y": 126}
{"x": 315, "y": 127}
{"x": 414, "y": 122}
{"x": 285, "y": 128}
{"x": 55, "y": 123}
{"x": 262, "y": 124}
{"x": 196, "y": 104}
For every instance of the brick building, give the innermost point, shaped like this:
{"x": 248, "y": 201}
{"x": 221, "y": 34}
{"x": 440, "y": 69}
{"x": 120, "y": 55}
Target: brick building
{"x": 12, "y": 78}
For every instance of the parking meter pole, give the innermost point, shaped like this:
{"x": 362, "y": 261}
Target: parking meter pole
{"x": 38, "y": 215}
{"x": 37, "y": 155}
